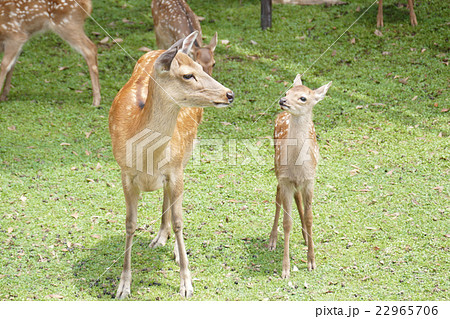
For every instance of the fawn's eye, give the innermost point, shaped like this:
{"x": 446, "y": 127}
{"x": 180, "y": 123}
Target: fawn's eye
{"x": 188, "y": 76}
{"x": 303, "y": 99}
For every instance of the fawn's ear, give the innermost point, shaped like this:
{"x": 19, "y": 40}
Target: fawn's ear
{"x": 164, "y": 61}
{"x": 320, "y": 92}
{"x": 212, "y": 45}
{"x": 298, "y": 80}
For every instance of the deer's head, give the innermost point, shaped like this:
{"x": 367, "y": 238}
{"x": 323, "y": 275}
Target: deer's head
{"x": 205, "y": 55}
{"x": 300, "y": 100}
{"x": 185, "y": 81}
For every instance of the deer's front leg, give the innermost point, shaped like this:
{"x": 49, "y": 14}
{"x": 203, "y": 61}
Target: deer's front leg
{"x": 176, "y": 197}
{"x": 164, "y": 229}
{"x": 286, "y": 199}
{"x": 131, "y": 198}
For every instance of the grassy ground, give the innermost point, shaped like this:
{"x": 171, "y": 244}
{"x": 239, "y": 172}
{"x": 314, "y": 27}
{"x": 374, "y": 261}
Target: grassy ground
{"x": 381, "y": 203}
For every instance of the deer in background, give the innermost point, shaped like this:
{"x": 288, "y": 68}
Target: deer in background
{"x": 296, "y": 156}
{"x": 20, "y": 19}
{"x": 173, "y": 20}
{"x": 412, "y": 15}
{"x": 153, "y": 122}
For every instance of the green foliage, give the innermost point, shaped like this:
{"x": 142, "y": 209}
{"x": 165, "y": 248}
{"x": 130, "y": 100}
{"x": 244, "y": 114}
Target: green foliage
{"x": 381, "y": 203}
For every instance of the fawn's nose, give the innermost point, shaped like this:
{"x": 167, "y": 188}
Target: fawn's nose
{"x": 282, "y": 101}
{"x": 230, "y": 96}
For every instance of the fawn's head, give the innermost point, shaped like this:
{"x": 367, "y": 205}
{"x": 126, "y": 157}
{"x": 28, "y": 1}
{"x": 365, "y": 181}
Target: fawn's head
{"x": 300, "y": 100}
{"x": 185, "y": 81}
{"x": 205, "y": 55}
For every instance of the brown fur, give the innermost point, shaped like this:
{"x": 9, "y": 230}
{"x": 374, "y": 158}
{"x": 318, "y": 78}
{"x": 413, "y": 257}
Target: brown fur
{"x": 296, "y": 157}
{"x": 173, "y": 20}
{"x": 20, "y": 19}
{"x": 161, "y": 101}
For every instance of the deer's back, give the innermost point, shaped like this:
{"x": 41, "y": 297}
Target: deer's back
{"x": 173, "y": 20}
{"x": 28, "y": 17}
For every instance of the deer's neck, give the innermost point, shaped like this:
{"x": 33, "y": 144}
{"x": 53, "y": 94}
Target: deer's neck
{"x": 299, "y": 126}
{"x": 160, "y": 111}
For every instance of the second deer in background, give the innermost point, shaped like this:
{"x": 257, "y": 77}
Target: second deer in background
{"x": 173, "y": 20}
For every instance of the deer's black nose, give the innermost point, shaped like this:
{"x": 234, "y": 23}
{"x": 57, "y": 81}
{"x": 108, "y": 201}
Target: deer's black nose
{"x": 230, "y": 96}
{"x": 282, "y": 101}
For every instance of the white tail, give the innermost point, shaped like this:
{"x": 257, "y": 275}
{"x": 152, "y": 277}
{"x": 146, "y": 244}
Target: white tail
{"x": 412, "y": 15}
{"x": 20, "y": 19}
{"x": 296, "y": 156}
{"x": 173, "y": 20}
{"x": 153, "y": 122}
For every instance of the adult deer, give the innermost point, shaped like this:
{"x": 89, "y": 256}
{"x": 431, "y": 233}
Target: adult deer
{"x": 412, "y": 15}
{"x": 173, "y": 20}
{"x": 296, "y": 156}
{"x": 21, "y": 19}
{"x": 153, "y": 122}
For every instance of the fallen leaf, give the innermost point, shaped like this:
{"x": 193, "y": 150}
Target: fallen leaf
{"x": 225, "y": 42}
{"x": 75, "y": 215}
{"x": 87, "y": 134}
{"x": 444, "y": 110}
{"x": 12, "y": 128}
{"x": 98, "y": 166}
{"x": 253, "y": 42}
{"x": 439, "y": 188}
{"x": 390, "y": 172}
{"x": 10, "y": 230}
{"x": 55, "y": 296}
{"x": 333, "y": 53}
{"x": 144, "y": 49}
{"x": 96, "y": 236}
{"x": 200, "y": 18}
{"x": 371, "y": 228}
{"x": 65, "y": 144}
{"x": 294, "y": 268}
{"x": 104, "y": 40}
{"x": 62, "y": 68}
{"x": 118, "y": 40}
{"x": 414, "y": 98}
{"x": 378, "y": 33}
{"x": 354, "y": 172}
{"x": 386, "y": 53}
{"x": 404, "y": 81}
{"x": 353, "y": 41}
{"x": 23, "y": 198}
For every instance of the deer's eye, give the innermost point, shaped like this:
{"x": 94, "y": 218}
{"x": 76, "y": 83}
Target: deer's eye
{"x": 188, "y": 76}
{"x": 303, "y": 99}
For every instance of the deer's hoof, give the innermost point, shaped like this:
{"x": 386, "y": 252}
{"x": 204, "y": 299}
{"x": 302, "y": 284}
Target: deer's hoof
{"x": 311, "y": 265}
{"x": 160, "y": 240}
{"x": 186, "y": 289}
{"x": 285, "y": 274}
{"x": 123, "y": 291}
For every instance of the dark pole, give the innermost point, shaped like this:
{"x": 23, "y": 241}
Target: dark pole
{"x": 266, "y": 14}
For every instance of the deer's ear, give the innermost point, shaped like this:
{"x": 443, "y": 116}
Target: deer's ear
{"x": 298, "y": 80}
{"x": 320, "y": 92}
{"x": 212, "y": 45}
{"x": 164, "y": 61}
{"x": 188, "y": 42}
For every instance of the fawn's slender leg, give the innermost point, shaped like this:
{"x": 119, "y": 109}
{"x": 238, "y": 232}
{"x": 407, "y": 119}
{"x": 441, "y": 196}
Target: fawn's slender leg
{"x": 412, "y": 15}
{"x": 164, "y": 229}
{"x": 286, "y": 199}
{"x": 131, "y": 198}
{"x": 308, "y": 219}
{"x": 274, "y": 232}
{"x": 12, "y": 52}
{"x": 7, "y": 86}
{"x": 380, "y": 14}
{"x": 175, "y": 188}
{"x": 75, "y": 36}
{"x": 299, "y": 203}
